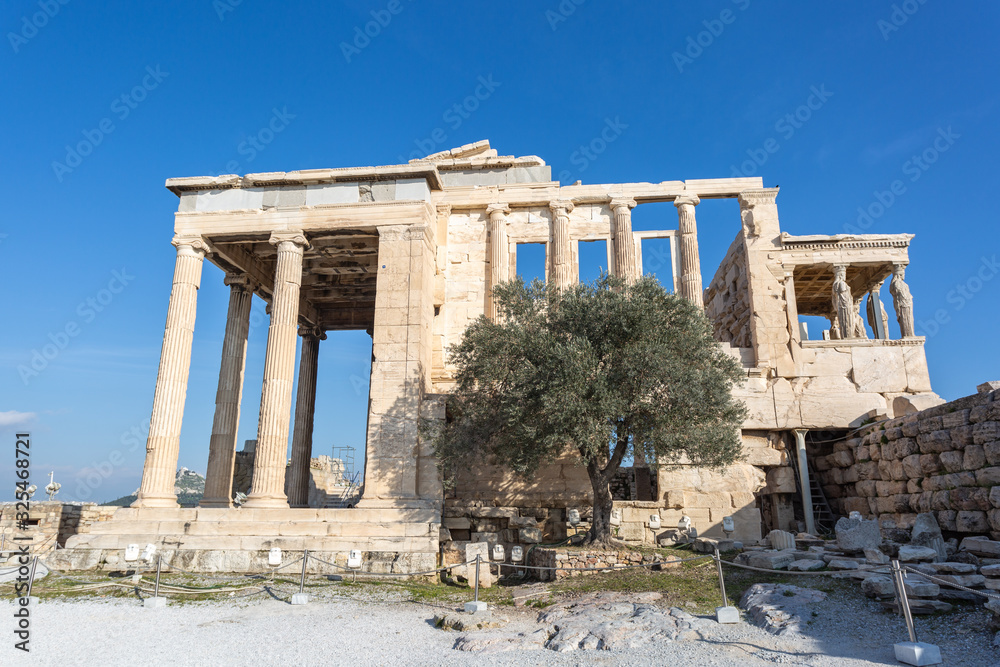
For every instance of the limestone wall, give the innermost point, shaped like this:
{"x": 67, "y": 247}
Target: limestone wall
{"x": 50, "y": 524}
{"x": 945, "y": 459}
{"x": 727, "y": 302}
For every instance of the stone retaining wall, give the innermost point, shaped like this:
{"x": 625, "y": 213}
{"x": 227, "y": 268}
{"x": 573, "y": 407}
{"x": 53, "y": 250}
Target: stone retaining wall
{"x": 572, "y": 558}
{"x": 945, "y": 460}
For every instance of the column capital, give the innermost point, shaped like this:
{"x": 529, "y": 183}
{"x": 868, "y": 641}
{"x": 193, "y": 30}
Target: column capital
{"x": 443, "y": 209}
{"x": 751, "y": 198}
{"x": 899, "y": 268}
{"x": 619, "y": 202}
{"x": 296, "y": 237}
{"x": 498, "y": 209}
{"x": 563, "y": 205}
{"x": 236, "y": 278}
{"x": 312, "y": 330}
{"x": 687, "y": 200}
{"x": 196, "y": 243}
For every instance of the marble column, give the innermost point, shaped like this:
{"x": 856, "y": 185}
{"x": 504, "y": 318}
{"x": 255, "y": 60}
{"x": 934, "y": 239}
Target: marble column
{"x": 163, "y": 444}
{"x": 622, "y": 240}
{"x": 499, "y": 254}
{"x": 561, "y": 261}
{"x": 305, "y": 410}
{"x": 267, "y": 487}
{"x": 690, "y": 262}
{"x": 222, "y": 446}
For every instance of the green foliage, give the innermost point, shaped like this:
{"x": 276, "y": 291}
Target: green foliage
{"x": 606, "y": 368}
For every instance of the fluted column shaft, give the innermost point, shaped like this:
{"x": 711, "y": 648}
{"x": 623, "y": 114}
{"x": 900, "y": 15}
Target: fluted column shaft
{"x": 163, "y": 444}
{"x": 305, "y": 410}
{"x": 267, "y": 488}
{"x": 690, "y": 262}
{"x": 499, "y": 254}
{"x": 561, "y": 262}
{"x": 621, "y": 238}
{"x": 222, "y": 446}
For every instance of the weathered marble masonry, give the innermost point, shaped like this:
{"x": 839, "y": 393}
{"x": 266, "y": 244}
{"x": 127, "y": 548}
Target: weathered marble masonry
{"x": 410, "y": 253}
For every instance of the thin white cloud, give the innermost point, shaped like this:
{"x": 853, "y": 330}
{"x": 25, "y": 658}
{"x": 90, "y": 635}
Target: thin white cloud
{"x": 15, "y": 418}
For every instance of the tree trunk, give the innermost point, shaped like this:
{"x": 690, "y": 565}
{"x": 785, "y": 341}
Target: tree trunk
{"x": 600, "y": 526}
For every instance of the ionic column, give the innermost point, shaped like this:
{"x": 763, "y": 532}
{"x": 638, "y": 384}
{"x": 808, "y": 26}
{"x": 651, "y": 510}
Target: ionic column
{"x": 222, "y": 446}
{"x": 499, "y": 254}
{"x": 267, "y": 487}
{"x": 621, "y": 239}
{"x": 305, "y": 409}
{"x": 561, "y": 262}
{"x": 163, "y": 443}
{"x": 690, "y": 263}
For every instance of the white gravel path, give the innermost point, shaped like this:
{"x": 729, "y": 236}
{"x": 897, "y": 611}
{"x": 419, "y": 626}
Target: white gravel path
{"x": 340, "y": 631}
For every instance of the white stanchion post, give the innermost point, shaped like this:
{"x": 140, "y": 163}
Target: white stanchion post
{"x": 476, "y": 606}
{"x": 301, "y": 597}
{"x": 911, "y": 652}
{"x": 156, "y": 601}
{"x": 725, "y": 613}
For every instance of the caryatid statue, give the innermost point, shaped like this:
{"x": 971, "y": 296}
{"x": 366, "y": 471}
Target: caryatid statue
{"x": 843, "y": 302}
{"x": 902, "y": 300}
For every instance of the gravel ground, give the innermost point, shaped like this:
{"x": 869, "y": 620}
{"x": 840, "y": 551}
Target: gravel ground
{"x": 377, "y": 629}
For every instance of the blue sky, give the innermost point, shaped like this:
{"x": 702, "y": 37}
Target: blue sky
{"x": 104, "y": 101}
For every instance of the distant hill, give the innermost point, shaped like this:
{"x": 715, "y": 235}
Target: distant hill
{"x": 188, "y": 485}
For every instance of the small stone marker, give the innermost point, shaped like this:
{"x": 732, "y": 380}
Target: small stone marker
{"x": 917, "y": 653}
{"x": 154, "y": 603}
{"x": 475, "y": 607}
{"x": 727, "y": 614}
{"x": 300, "y": 598}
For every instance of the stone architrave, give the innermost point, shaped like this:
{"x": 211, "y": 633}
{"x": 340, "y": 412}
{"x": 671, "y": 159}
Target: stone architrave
{"x": 690, "y": 261}
{"x": 163, "y": 443}
{"x": 622, "y": 239}
{"x": 267, "y": 487}
{"x": 499, "y": 254}
{"x": 305, "y": 410}
{"x": 222, "y": 446}
{"x": 561, "y": 264}
{"x": 843, "y": 302}
{"x": 903, "y": 301}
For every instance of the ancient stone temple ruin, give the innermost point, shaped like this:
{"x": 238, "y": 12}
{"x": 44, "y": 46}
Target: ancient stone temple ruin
{"x": 409, "y": 253}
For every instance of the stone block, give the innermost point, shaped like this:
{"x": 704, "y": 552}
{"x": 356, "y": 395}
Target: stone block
{"x": 994, "y": 496}
{"x": 878, "y": 586}
{"x": 988, "y": 476}
{"x": 806, "y": 565}
{"x": 914, "y": 554}
{"x": 981, "y": 547}
{"x": 971, "y": 522}
{"x": 530, "y": 535}
{"x": 854, "y": 535}
{"x": 770, "y": 560}
{"x": 985, "y": 432}
{"x": 154, "y": 603}
{"x": 917, "y": 653}
{"x": 727, "y": 614}
{"x": 781, "y": 540}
